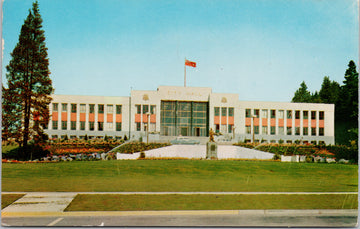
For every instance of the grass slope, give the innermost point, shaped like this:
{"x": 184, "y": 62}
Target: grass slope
{"x": 179, "y": 175}
{"x": 7, "y": 199}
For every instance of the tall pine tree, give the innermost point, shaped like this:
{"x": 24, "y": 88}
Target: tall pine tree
{"x": 29, "y": 84}
{"x": 302, "y": 95}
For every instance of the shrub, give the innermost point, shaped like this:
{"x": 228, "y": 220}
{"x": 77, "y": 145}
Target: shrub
{"x": 36, "y": 152}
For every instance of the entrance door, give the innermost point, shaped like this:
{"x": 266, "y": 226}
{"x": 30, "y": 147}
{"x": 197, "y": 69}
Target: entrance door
{"x": 184, "y": 131}
{"x": 197, "y": 131}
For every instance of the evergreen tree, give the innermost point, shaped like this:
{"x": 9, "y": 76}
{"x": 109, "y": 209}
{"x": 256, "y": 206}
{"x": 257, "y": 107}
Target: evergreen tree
{"x": 315, "y": 97}
{"x": 29, "y": 84}
{"x": 302, "y": 95}
{"x": 329, "y": 92}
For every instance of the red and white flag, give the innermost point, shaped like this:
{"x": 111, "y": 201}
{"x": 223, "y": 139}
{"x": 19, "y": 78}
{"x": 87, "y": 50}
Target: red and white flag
{"x": 190, "y": 63}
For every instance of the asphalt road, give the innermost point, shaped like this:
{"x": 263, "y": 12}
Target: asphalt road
{"x": 186, "y": 220}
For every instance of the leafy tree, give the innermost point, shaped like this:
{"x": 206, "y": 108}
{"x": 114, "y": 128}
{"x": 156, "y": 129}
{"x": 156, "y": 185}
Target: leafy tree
{"x": 29, "y": 84}
{"x": 315, "y": 97}
{"x": 302, "y": 95}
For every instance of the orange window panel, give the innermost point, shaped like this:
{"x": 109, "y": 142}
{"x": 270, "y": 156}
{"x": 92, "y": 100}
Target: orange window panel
{"x": 281, "y": 122}
{"x": 223, "y": 120}
{"x": 256, "y": 121}
{"x": 313, "y": 123}
{"x": 145, "y": 119}
{"x": 118, "y": 117}
{"x": 305, "y": 123}
{"x": 82, "y": 117}
{"x": 55, "y": 116}
{"x": 321, "y": 123}
{"x": 231, "y": 120}
{"x": 297, "y": 122}
{"x": 247, "y": 121}
{"x": 137, "y": 117}
{"x": 100, "y": 117}
{"x": 272, "y": 122}
{"x": 109, "y": 118}
{"x": 91, "y": 117}
{"x": 73, "y": 117}
{"x": 63, "y": 116}
{"x": 216, "y": 119}
{"x": 264, "y": 122}
{"x": 153, "y": 118}
{"x": 289, "y": 122}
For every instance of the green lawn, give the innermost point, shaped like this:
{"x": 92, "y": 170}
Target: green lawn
{"x": 113, "y": 202}
{"x": 7, "y": 199}
{"x": 179, "y": 175}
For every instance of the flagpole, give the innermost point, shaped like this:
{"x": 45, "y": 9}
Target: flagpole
{"x": 185, "y": 73}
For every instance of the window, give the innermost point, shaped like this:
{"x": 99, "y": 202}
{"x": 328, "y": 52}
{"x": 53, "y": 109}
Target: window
{"x": 223, "y": 111}
{"x": 101, "y": 109}
{"x": 297, "y": 114}
{"x": 138, "y": 109}
{"x": 152, "y": 109}
{"x": 231, "y": 112}
{"x": 272, "y": 130}
{"x": 110, "y": 125}
{"x": 321, "y": 115}
{"x": 297, "y": 130}
{"x": 288, "y": 114}
{"x": 313, "y": 115}
{"x": 100, "y": 126}
{"x": 248, "y": 113}
{"x": 256, "y": 129}
{"x": 223, "y": 128}
{"x": 321, "y": 131}
{"x": 73, "y": 125}
{"x": 257, "y": 113}
{"x": 91, "y": 126}
{"x": 118, "y": 126}
{"x": 118, "y": 109}
{"x": 230, "y": 129}
{"x": 288, "y": 130}
{"x": 55, "y": 107}
{"x": 305, "y": 115}
{"x": 73, "y": 108}
{"x": 110, "y": 109}
{"x": 145, "y": 109}
{"x": 138, "y": 126}
{"x": 217, "y": 128}
{"x": 64, "y": 107}
{"x": 64, "y": 125}
{"x": 54, "y": 125}
{"x": 264, "y": 130}
{"x": 305, "y": 131}
{"x": 248, "y": 129}
{"x": 82, "y": 125}
{"x": 216, "y": 111}
{"x": 281, "y": 130}
{"x": 54, "y": 136}
{"x": 91, "y": 108}
{"x": 281, "y": 114}
{"x": 82, "y": 108}
{"x": 313, "y": 131}
{"x": 273, "y": 114}
{"x": 264, "y": 113}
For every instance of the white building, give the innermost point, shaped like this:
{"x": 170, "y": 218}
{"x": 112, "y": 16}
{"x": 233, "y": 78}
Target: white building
{"x": 189, "y": 111}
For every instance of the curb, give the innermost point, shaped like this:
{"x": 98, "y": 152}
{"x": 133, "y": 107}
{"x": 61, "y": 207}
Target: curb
{"x": 317, "y": 212}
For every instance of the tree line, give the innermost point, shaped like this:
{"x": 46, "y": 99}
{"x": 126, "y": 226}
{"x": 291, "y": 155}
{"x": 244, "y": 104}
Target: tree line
{"x": 345, "y": 98}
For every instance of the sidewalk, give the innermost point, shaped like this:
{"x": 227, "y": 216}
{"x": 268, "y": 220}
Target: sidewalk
{"x": 40, "y": 204}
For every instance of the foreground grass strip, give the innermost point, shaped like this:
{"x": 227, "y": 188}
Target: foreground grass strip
{"x": 115, "y": 202}
{"x": 179, "y": 176}
{"x": 7, "y": 199}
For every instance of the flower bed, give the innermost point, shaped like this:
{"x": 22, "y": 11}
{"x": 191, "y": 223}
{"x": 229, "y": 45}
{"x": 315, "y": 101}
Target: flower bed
{"x": 134, "y": 147}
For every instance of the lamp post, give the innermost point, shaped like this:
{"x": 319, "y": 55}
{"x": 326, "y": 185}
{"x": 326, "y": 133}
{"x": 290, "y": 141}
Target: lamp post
{"x": 253, "y": 137}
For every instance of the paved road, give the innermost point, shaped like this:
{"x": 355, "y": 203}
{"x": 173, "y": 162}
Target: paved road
{"x": 244, "y": 220}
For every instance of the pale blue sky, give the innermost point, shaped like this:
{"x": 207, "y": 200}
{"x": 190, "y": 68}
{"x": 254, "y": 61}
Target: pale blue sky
{"x": 259, "y": 49}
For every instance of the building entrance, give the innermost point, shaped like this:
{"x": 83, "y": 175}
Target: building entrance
{"x": 184, "y": 118}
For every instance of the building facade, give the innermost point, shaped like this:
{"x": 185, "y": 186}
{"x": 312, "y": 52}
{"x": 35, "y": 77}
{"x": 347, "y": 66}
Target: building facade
{"x": 171, "y": 111}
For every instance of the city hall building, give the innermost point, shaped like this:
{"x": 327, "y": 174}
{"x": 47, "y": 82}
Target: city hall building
{"x": 172, "y": 111}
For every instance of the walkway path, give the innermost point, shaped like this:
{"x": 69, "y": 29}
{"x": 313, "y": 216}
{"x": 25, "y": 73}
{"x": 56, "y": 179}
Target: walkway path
{"x": 199, "y": 151}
